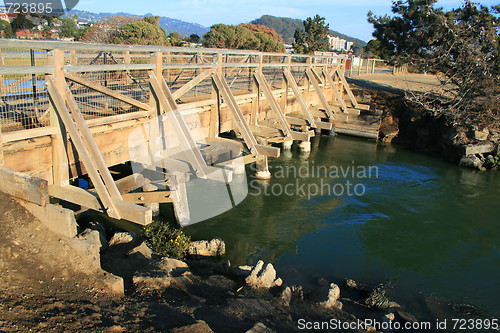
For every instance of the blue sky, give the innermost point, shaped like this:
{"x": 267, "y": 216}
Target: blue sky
{"x": 348, "y": 17}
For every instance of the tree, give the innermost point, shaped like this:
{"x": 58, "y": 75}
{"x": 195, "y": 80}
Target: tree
{"x": 142, "y": 32}
{"x": 461, "y": 45}
{"x": 6, "y": 30}
{"x": 194, "y": 38}
{"x": 107, "y": 29}
{"x": 175, "y": 38}
{"x": 246, "y": 37}
{"x": 21, "y": 23}
{"x": 68, "y": 28}
{"x": 314, "y": 37}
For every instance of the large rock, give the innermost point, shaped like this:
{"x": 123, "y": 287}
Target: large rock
{"x": 214, "y": 248}
{"x": 471, "y": 161}
{"x": 114, "y": 283}
{"x": 122, "y": 238}
{"x": 481, "y": 135}
{"x": 141, "y": 252}
{"x": 481, "y": 148}
{"x": 330, "y": 298}
{"x": 171, "y": 267}
{"x": 89, "y": 251}
{"x": 94, "y": 237}
{"x": 262, "y": 276}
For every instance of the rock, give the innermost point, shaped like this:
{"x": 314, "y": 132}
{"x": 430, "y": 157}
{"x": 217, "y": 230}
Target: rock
{"x": 260, "y": 328}
{"x": 199, "y": 327}
{"x": 297, "y": 293}
{"x": 285, "y": 296}
{"x": 390, "y": 316}
{"x": 89, "y": 251}
{"x": 141, "y": 252}
{"x": 102, "y": 234}
{"x": 490, "y": 162}
{"x": 115, "y": 283}
{"x": 349, "y": 283}
{"x": 277, "y": 283}
{"x": 261, "y": 277}
{"x": 122, "y": 238}
{"x": 378, "y": 299}
{"x": 330, "y": 299}
{"x": 171, "y": 267}
{"x": 481, "y": 135}
{"x": 94, "y": 237}
{"x": 481, "y": 148}
{"x": 407, "y": 317}
{"x": 214, "y": 248}
{"x": 471, "y": 161}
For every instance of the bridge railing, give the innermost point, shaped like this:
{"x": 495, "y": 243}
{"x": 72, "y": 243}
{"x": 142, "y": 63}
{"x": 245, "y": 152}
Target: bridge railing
{"x": 124, "y": 70}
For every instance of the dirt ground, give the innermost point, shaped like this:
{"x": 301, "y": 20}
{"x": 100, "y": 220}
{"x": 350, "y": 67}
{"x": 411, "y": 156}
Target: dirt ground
{"x": 400, "y": 82}
{"x": 44, "y": 289}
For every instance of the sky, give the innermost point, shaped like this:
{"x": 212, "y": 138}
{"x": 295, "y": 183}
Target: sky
{"x": 345, "y": 16}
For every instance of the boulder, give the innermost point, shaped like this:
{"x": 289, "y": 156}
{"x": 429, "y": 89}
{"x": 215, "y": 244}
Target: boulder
{"x": 122, "y": 238}
{"x": 480, "y": 148}
{"x": 242, "y": 271}
{"x": 102, "y": 234}
{"x": 141, "y": 252}
{"x": 481, "y": 135}
{"x": 285, "y": 296}
{"x": 89, "y": 251}
{"x": 214, "y": 248}
{"x": 330, "y": 299}
{"x": 171, "y": 267}
{"x": 151, "y": 282}
{"x": 261, "y": 277}
{"x": 115, "y": 283}
{"x": 471, "y": 161}
{"x": 93, "y": 237}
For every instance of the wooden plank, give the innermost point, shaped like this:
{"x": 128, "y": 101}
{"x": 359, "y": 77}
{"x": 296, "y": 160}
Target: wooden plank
{"x": 148, "y": 197}
{"x": 23, "y": 186}
{"x": 131, "y": 182}
{"x": 268, "y": 151}
{"x": 28, "y": 134}
{"x": 195, "y": 81}
{"x": 76, "y": 195}
{"x": 336, "y": 92}
{"x": 319, "y": 92}
{"x": 84, "y": 154}
{"x": 109, "y": 92}
{"x": 284, "y": 126}
{"x": 348, "y": 90}
{"x": 305, "y": 109}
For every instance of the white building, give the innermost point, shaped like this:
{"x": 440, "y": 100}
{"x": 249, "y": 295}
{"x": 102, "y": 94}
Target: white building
{"x": 339, "y": 44}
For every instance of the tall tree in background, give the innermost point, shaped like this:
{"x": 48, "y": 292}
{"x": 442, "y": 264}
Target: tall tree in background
{"x": 246, "y": 37}
{"x": 460, "y": 45}
{"x": 314, "y": 37}
{"x": 107, "y": 29}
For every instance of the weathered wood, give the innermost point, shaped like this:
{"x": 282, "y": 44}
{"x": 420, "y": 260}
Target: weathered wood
{"x": 298, "y": 95}
{"x": 23, "y": 186}
{"x": 148, "y": 197}
{"x": 108, "y": 92}
{"x": 336, "y": 92}
{"x": 312, "y": 77}
{"x": 77, "y": 196}
{"x": 192, "y": 83}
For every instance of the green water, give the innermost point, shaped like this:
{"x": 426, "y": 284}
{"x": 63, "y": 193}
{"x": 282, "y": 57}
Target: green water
{"x": 429, "y": 227}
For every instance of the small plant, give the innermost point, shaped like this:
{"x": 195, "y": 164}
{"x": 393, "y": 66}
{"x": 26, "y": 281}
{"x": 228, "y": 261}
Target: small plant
{"x": 166, "y": 241}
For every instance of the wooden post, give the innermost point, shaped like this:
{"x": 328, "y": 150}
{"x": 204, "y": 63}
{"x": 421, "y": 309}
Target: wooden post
{"x": 60, "y": 167}
{"x": 73, "y": 59}
{"x": 157, "y": 60}
{"x": 307, "y": 91}
{"x": 1, "y": 146}
{"x": 285, "y": 87}
{"x": 215, "y": 109}
{"x": 2, "y": 82}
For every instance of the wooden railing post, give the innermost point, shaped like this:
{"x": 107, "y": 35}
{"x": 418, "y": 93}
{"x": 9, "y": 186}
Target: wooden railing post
{"x": 285, "y": 85}
{"x": 307, "y": 91}
{"x": 60, "y": 166}
{"x": 156, "y": 58}
{"x": 215, "y": 108}
{"x": 2, "y": 82}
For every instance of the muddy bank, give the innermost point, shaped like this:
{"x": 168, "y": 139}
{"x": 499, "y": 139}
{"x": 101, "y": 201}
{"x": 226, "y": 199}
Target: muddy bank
{"x": 475, "y": 147}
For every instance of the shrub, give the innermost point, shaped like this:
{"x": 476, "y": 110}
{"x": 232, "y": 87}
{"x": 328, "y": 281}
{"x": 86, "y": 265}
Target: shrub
{"x": 166, "y": 241}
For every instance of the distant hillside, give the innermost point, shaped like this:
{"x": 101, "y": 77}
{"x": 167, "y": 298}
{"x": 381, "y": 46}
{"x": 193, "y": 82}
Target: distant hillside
{"x": 167, "y": 23}
{"x": 286, "y": 27}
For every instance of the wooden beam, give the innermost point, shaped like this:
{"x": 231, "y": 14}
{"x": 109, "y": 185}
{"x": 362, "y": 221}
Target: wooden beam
{"x": 191, "y": 84}
{"x": 305, "y": 109}
{"x": 109, "y": 92}
{"x": 336, "y": 92}
{"x": 24, "y": 186}
{"x": 319, "y": 92}
{"x": 148, "y": 197}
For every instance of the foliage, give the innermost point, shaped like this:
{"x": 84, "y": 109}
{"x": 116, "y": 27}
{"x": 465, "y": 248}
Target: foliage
{"x": 21, "y": 23}
{"x": 7, "y": 29}
{"x": 175, "y": 38}
{"x": 245, "y": 37}
{"x": 142, "y": 32}
{"x": 68, "y": 28}
{"x": 313, "y": 38}
{"x": 286, "y": 27}
{"x": 461, "y": 45}
{"x": 106, "y": 30}
{"x": 194, "y": 38}
{"x": 166, "y": 241}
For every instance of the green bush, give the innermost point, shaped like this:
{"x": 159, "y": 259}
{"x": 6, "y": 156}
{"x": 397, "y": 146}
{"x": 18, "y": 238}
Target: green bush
{"x": 166, "y": 241}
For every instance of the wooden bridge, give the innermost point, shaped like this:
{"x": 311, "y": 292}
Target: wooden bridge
{"x": 69, "y": 109}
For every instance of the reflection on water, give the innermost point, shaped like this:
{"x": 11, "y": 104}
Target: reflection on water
{"x": 430, "y": 227}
